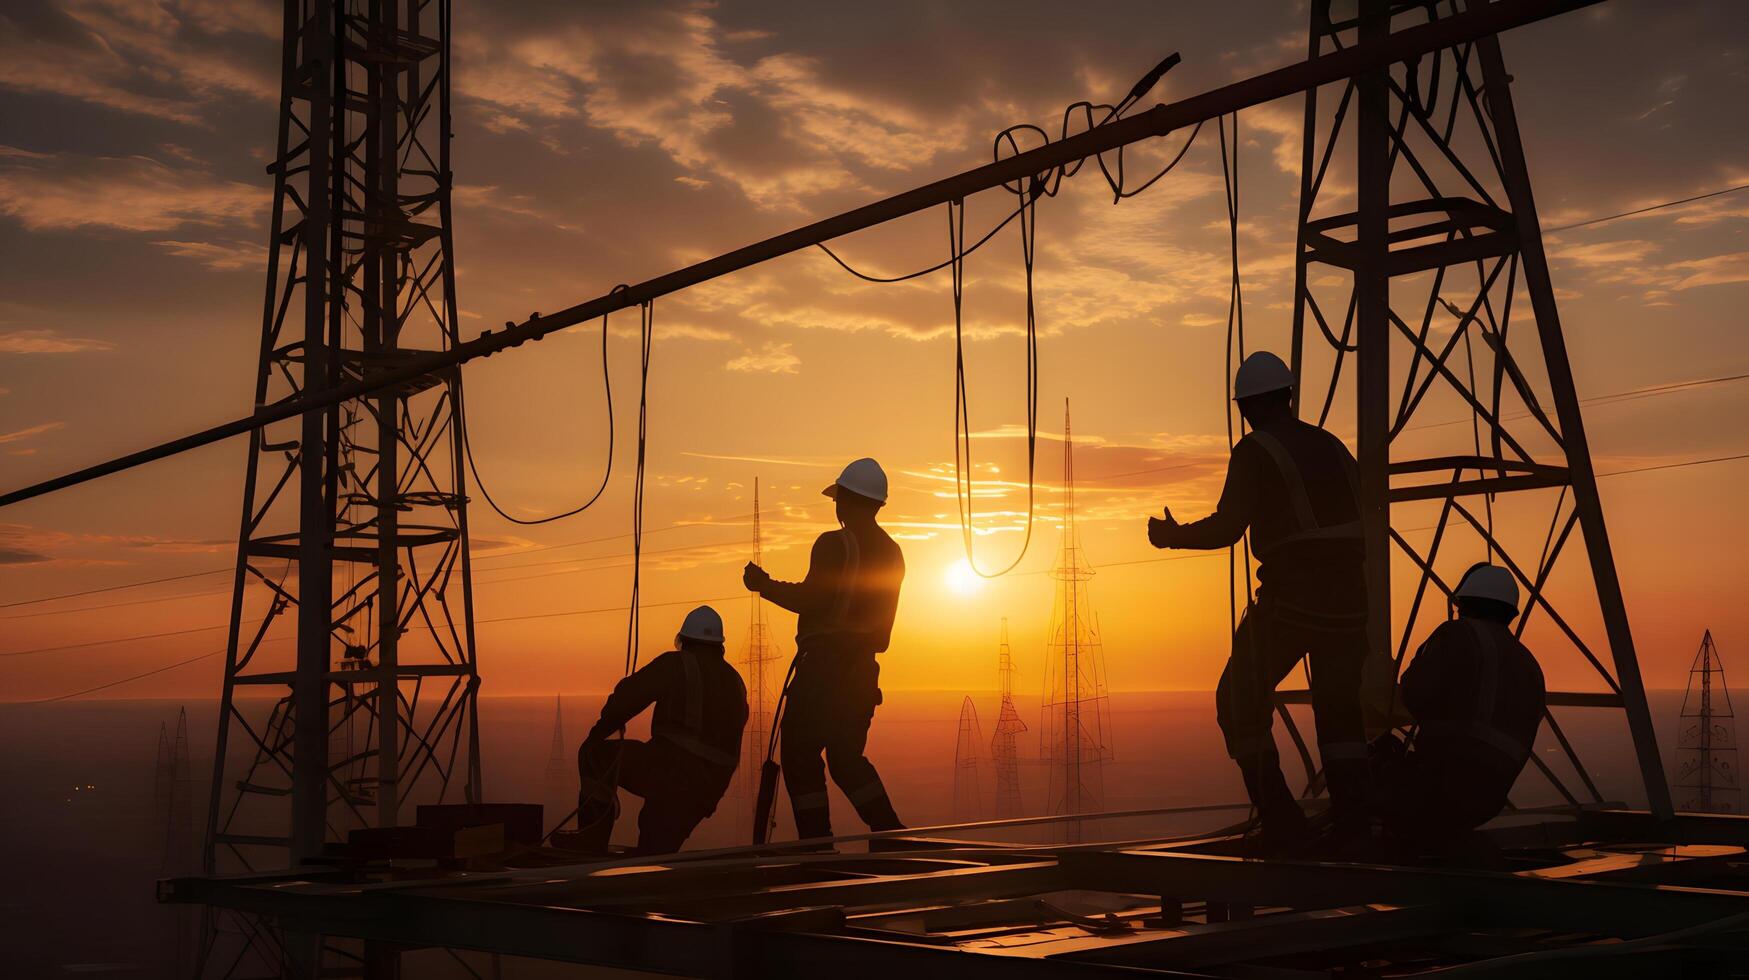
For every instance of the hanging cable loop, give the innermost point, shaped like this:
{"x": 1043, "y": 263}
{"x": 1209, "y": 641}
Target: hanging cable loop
{"x": 607, "y": 468}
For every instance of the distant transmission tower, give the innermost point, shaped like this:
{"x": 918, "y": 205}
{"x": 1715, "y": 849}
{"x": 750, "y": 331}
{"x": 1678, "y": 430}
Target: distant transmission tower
{"x": 173, "y": 800}
{"x": 1003, "y": 750}
{"x": 355, "y": 516}
{"x": 760, "y": 679}
{"x": 1708, "y": 741}
{"x": 1076, "y": 716}
{"x": 968, "y": 794}
{"x": 561, "y": 777}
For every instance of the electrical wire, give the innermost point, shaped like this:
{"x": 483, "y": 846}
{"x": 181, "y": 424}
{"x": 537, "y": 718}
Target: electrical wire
{"x": 963, "y": 479}
{"x": 1644, "y": 210}
{"x": 646, "y": 333}
{"x": 607, "y": 469}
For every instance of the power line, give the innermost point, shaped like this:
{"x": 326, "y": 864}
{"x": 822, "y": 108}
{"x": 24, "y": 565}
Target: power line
{"x": 124, "y": 680}
{"x": 676, "y": 526}
{"x": 1675, "y": 466}
{"x": 1654, "y": 207}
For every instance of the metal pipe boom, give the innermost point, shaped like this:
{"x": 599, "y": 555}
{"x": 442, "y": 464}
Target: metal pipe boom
{"x": 1487, "y": 19}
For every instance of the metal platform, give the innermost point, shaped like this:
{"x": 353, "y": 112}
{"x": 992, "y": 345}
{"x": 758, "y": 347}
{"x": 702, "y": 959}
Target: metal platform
{"x": 1573, "y": 893}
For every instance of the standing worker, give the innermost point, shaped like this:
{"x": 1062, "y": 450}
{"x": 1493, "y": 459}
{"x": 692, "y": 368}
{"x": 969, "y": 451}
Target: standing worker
{"x": 1477, "y": 696}
{"x": 1296, "y": 488}
{"x": 695, "y": 742}
{"x": 845, "y": 609}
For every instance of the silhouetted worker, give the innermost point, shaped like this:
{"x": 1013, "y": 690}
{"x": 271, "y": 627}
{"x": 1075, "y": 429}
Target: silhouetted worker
{"x": 1296, "y": 488}
{"x": 695, "y": 742}
{"x": 844, "y": 610}
{"x": 1477, "y": 696}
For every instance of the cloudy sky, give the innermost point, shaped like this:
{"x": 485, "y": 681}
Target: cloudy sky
{"x": 610, "y": 142}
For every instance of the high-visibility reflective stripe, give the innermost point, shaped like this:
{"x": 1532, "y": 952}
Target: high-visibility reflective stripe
{"x": 1342, "y": 750}
{"x": 811, "y": 801}
{"x": 1480, "y": 732}
{"x": 1290, "y": 476}
{"x": 686, "y": 741}
{"x": 694, "y": 692}
{"x": 1305, "y": 519}
{"x": 867, "y": 792}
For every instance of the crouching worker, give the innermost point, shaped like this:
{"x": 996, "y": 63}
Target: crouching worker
{"x": 1477, "y": 696}
{"x": 695, "y": 741}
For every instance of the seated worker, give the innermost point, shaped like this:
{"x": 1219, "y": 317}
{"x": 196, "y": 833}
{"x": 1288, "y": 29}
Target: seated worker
{"x": 695, "y": 742}
{"x": 1477, "y": 696}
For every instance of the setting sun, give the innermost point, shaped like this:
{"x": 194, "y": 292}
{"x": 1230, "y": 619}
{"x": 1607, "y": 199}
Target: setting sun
{"x": 962, "y": 580}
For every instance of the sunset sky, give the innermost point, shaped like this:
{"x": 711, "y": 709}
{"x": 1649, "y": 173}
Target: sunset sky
{"x": 609, "y": 142}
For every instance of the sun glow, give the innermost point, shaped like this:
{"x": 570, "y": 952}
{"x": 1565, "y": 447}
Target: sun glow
{"x": 961, "y": 580}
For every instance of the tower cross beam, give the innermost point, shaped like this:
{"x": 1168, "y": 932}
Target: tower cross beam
{"x": 1370, "y": 55}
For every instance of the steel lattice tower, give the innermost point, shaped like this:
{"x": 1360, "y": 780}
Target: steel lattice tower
{"x": 756, "y": 673}
{"x": 561, "y": 774}
{"x": 968, "y": 792}
{"x": 354, "y": 517}
{"x": 1003, "y": 750}
{"x": 1412, "y": 259}
{"x": 1075, "y": 727}
{"x": 1708, "y": 740}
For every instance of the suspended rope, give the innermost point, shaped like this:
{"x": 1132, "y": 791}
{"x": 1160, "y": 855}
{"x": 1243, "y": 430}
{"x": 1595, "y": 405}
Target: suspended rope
{"x": 607, "y": 470}
{"x": 964, "y": 490}
{"x": 646, "y": 334}
{"x": 1093, "y": 115}
{"x": 1235, "y": 345}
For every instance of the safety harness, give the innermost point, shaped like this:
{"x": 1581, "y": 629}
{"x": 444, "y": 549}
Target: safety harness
{"x": 1479, "y": 726}
{"x": 689, "y": 735}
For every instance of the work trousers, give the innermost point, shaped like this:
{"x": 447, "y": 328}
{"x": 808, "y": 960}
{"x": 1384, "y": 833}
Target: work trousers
{"x": 832, "y": 702}
{"x": 1266, "y": 646}
{"x": 679, "y": 789}
{"x": 1434, "y": 796}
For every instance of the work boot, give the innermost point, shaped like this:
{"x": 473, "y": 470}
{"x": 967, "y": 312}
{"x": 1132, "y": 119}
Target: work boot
{"x": 1282, "y": 824}
{"x": 595, "y": 820}
{"x": 813, "y": 822}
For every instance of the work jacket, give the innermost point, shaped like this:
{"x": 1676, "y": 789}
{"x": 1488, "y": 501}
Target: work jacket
{"x": 1474, "y": 689}
{"x": 701, "y": 705}
{"x": 851, "y": 593}
{"x": 1296, "y": 488}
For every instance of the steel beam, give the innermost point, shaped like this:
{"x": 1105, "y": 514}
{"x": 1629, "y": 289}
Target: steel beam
{"x": 1479, "y": 897}
{"x": 1370, "y": 56}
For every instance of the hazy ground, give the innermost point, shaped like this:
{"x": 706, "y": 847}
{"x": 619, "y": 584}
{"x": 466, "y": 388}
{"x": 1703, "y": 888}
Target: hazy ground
{"x": 78, "y": 864}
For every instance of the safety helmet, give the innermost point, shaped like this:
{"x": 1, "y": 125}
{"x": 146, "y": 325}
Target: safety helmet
{"x": 1485, "y": 581}
{"x": 1261, "y": 373}
{"x": 863, "y": 477}
{"x": 702, "y": 625}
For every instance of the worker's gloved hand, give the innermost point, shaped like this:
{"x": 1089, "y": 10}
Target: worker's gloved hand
{"x": 754, "y": 578}
{"x": 1160, "y": 528}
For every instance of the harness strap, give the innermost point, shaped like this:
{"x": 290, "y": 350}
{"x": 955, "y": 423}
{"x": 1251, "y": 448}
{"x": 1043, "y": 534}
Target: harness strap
{"x": 694, "y": 692}
{"x": 1305, "y": 519}
{"x": 1478, "y": 731}
{"x": 691, "y": 743}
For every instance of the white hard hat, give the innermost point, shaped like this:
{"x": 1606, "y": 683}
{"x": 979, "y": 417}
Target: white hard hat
{"x": 863, "y": 477}
{"x": 1260, "y": 373}
{"x": 702, "y": 625}
{"x": 1486, "y": 581}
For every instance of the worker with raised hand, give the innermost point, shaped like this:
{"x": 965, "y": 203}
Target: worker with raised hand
{"x": 1295, "y": 487}
{"x": 845, "y": 608}
{"x": 1477, "y": 696}
{"x": 695, "y": 742}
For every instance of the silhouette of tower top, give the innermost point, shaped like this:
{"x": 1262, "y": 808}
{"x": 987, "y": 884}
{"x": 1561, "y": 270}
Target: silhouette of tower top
{"x": 558, "y": 759}
{"x": 968, "y": 795}
{"x": 1708, "y": 739}
{"x": 1076, "y": 715}
{"x": 1004, "y": 752}
{"x": 759, "y": 678}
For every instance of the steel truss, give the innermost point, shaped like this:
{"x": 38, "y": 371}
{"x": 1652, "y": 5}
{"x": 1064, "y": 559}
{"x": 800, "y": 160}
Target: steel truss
{"x": 1166, "y": 907}
{"x": 1417, "y": 234}
{"x": 354, "y": 516}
